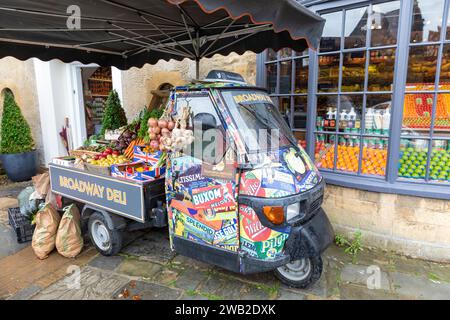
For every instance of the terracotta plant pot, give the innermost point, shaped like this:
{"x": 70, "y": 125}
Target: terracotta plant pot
{"x": 20, "y": 166}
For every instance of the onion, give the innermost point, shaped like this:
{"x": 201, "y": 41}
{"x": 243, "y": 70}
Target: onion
{"x": 152, "y": 122}
{"x": 165, "y": 131}
{"x": 156, "y": 130}
{"x": 154, "y": 144}
{"x": 152, "y": 136}
{"x": 170, "y": 125}
{"x": 162, "y": 124}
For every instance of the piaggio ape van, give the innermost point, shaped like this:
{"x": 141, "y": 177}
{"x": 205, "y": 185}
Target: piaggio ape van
{"x": 247, "y": 208}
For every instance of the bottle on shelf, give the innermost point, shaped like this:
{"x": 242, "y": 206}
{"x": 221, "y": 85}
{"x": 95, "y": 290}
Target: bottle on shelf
{"x": 386, "y": 121}
{"x": 377, "y": 120}
{"x": 369, "y": 119}
{"x": 351, "y": 118}
{"x": 343, "y": 119}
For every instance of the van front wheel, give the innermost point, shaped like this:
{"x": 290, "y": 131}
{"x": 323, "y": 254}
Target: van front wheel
{"x": 300, "y": 273}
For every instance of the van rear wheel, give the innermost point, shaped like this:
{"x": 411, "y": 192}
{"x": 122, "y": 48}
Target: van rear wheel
{"x": 107, "y": 241}
{"x": 300, "y": 273}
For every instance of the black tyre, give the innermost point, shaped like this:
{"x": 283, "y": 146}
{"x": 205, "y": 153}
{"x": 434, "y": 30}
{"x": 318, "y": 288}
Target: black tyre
{"x": 107, "y": 241}
{"x": 301, "y": 273}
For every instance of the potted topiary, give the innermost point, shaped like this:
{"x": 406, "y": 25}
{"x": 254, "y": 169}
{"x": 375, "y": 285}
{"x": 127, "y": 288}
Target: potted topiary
{"x": 18, "y": 155}
{"x": 114, "y": 116}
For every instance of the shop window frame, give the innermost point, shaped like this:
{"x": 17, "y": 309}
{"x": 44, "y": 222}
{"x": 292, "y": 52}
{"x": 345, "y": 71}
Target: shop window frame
{"x": 390, "y": 183}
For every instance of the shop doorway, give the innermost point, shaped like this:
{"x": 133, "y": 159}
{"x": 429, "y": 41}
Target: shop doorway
{"x": 97, "y": 84}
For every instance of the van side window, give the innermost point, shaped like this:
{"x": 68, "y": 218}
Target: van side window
{"x": 210, "y": 140}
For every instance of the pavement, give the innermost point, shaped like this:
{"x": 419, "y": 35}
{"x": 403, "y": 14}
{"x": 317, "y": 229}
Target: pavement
{"x": 147, "y": 269}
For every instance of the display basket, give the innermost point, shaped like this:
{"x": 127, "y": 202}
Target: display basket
{"x": 23, "y": 228}
{"x": 80, "y": 153}
{"x": 97, "y": 169}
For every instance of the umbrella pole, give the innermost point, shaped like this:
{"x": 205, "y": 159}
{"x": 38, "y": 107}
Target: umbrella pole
{"x": 197, "y": 69}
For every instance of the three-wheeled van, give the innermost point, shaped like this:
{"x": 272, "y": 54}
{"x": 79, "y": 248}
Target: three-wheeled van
{"x": 244, "y": 196}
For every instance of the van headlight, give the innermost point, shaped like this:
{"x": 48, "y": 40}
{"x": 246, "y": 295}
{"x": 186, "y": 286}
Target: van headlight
{"x": 292, "y": 211}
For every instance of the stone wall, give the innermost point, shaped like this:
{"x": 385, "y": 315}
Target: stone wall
{"x": 138, "y": 83}
{"x": 417, "y": 227}
{"x": 20, "y": 78}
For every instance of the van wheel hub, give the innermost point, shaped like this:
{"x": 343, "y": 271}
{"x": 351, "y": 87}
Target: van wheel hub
{"x": 297, "y": 270}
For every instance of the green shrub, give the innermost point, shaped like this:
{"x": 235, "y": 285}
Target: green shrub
{"x": 114, "y": 116}
{"x": 15, "y": 131}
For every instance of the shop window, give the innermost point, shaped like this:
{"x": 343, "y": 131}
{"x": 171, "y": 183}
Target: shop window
{"x": 426, "y": 20}
{"x": 285, "y": 77}
{"x": 355, "y": 28}
{"x": 353, "y": 71}
{"x": 285, "y": 53}
{"x": 328, "y": 73}
{"x": 301, "y": 75}
{"x": 331, "y": 36}
{"x": 384, "y": 23}
{"x": 422, "y": 67}
{"x": 271, "y": 77}
{"x": 381, "y": 70}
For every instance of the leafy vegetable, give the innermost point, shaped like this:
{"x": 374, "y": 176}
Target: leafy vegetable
{"x": 114, "y": 116}
{"x": 15, "y": 132}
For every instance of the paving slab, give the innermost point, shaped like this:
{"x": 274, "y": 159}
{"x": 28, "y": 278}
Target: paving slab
{"x": 106, "y": 263}
{"x": 27, "y": 293}
{"x": 221, "y": 287}
{"x": 167, "y": 277}
{"x": 153, "y": 246}
{"x": 419, "y": 287}
{"x": 95, "y": 284}
{"x": 190, "y": 279}
{"x": 138, "y": 290}
{"x": 23, "y": 269}
{"x": 8, "y": 240}
{"x": 284, "y": 294}
{"x": 138, "y": 268}
{"x": 348, "y": 291}
{"x": 185, "y": 262}
{"x": 254, "y": 292}
{"x": 365, "y": 276}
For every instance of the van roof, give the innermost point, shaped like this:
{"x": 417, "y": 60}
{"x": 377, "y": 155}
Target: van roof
{"x": 206, "y": 85}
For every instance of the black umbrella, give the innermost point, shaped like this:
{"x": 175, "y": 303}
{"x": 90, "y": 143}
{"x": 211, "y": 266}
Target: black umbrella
{"x": 130, "y": 33}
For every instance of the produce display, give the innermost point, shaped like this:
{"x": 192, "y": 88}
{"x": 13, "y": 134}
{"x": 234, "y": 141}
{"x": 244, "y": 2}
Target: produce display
{"x": 373, "y": 161}
{"x": 418, "y": 110}
{"x": 108, "y": 158}
{"x": 167, "y": 134}
{"x": 413, "y": 162}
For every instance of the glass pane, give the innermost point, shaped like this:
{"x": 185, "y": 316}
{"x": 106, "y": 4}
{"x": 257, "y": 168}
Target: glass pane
{"x": 353, "y": 71}
{"x": 413, "y": 158}
{"x": 328, "y": 73}
{"x": 271, "y": 55}
{"x": 440, "y": 161}
{"x": 285, "y": 53}
{"x": 384, "y": 23}
{"x": 427, "y": 20}
{"x": 350, "y": 113}
{"x": 326, "y": 113}
{"x": 284, "y": 105}
{"x": 444, "y": 83}
{"x": 300, "y": 108}
{"x": 377, "y": 118}
{"x": 374, "y": 159}
{"x": 348, "y": 153}
{"x": 271, "y": 77}
{"x": 286, "y": 77}
{"x": 331, "y": 36}
{"x": 302, "y": 53}
{"x": 355, "y": 28}
{"x": 417, "y": 111}
{"x": 301, "y": 138}
{"x": 301, "y": 75}
{"x": 324, "y": 151}
{"x": 422, "y": 68}
{"x": 381, "y": 70}
{"x": 442, "y": 120}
